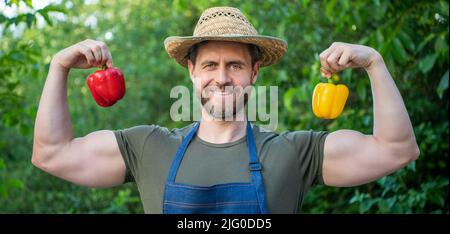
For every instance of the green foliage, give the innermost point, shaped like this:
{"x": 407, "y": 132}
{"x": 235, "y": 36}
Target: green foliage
{"x": 7, "y": 183}
{"x": 17, "y": 59}
{"x": 393, "y": 196}
{"x": 412, "y": 37}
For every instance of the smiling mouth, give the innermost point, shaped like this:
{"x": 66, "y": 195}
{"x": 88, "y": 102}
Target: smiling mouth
{"x": 222, "y": 93}
{"x": 219, "y": 91}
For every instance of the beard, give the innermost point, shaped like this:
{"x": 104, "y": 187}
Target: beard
{"x": 224, "y": 109}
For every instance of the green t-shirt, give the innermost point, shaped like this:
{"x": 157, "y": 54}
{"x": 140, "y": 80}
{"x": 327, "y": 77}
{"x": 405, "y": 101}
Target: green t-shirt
{"x": 291, "y": 162}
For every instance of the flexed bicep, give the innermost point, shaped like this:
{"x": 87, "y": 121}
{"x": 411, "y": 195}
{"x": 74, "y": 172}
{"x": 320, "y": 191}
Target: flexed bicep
{"x": 352, "y": 158}
{"x": 93, "y": 160}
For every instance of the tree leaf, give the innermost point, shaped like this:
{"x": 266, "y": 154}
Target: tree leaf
{"x": 3, "y": 191}
{"x": 329, "y": 9}
{"x": 443, "y": 85}
{"x": 2, "y": 18}
{"x": 29, "y": 3}
{"x": 361, "y": 90}
{"x": 29, "y": 19}
{"x": 406, "y": 40}
{"x": 288, "y": 96}
{"x": 383, "y": 206}
{"x": 367, "y": 204}
{"x": 54, "y": 8}
{"x": 412, "y": 166}
{"x": 13, "y": 183}
{"x": 44, "y": 14}
{"x": 427, "y": 63}
{"x": 15, "y": 2}
{"x": 399, "y": 51}
{"x": 424, "y": 42}
{"x": 12, "y": 85}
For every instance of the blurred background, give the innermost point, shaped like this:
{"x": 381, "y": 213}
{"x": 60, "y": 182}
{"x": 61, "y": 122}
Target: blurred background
{"x": 411, "y": 35}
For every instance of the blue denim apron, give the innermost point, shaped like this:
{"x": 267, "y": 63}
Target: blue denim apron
{"x": 229, "y": 198}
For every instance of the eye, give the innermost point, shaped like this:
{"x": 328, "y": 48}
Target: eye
{"x": 236, "y": 66}
{"x": 209, "y": 66}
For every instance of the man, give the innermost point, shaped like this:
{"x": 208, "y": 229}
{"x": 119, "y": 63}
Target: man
{"x": 215, "y": 165}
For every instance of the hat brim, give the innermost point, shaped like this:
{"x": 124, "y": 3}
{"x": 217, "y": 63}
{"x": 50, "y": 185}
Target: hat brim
{"x": 272, "y": 48}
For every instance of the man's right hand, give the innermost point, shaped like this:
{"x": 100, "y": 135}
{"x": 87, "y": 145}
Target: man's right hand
{"x": 84, "y": 54}
{"x": 94, "y": 160}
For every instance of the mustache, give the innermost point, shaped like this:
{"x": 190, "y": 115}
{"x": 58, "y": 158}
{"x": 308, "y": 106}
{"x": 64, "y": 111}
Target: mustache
{"x": 224, "y": 88}
{"x": 219, "y": 87}
{"x": 210, "y": 90}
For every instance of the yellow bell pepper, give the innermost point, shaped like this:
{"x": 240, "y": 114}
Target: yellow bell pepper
{"x": 329, "y": 99}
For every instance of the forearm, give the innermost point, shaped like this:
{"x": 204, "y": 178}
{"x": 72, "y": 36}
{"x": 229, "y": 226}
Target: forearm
{"x": 53, "y": 126}
{"x": 392, "y": 125}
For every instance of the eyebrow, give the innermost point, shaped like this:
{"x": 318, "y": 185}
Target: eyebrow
{"x": 207, "y": 62}
{"x": 239, "y": 62}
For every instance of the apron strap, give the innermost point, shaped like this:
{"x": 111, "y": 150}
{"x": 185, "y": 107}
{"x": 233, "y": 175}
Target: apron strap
{"x": 179, "y": 156}
{"x": 255, "y": 170}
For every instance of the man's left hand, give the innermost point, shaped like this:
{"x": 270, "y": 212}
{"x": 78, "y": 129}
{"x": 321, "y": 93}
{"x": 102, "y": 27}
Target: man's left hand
{"x": 340, "y": 56}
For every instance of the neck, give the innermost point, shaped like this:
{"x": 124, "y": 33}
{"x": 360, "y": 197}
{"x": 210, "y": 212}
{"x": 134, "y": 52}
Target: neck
{"x": 220, "y": 132}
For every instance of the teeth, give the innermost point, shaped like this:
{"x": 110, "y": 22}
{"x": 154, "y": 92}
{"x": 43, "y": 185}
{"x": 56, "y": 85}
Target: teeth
{"x": 222, "y": 93}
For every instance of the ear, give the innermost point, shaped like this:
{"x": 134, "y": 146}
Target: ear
{"x": 191, "y": 69}
{"x": 255, "y": 72}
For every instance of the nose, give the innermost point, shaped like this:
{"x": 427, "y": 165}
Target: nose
{"x": 222, "y": 77}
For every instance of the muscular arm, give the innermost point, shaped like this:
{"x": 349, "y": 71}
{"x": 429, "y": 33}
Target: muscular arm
{"x": 352, "y": 158}
{"x": 94, "y": 160}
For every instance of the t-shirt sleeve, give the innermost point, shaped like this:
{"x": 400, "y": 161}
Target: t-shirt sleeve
{"x": 310, "y": 147}
{"x": 131, "y": 142}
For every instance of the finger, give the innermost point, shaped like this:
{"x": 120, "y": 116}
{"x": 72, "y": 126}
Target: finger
{"x": 109, "y": 62}
{"x": 98, "y": 55}
{"x": 96, "y": 50}
{"x": 104, "y": 51}
{"x": 325, "y": 73}
{"x": 87, "y": 52}
{"x": 344, "y": 61}
{"x": 333, "y": 60}
{"x": 92, "y": 50}
{"x": 323, "y": 58}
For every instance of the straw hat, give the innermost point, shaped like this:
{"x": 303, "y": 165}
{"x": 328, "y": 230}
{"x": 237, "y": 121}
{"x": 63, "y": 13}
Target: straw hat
{"x": 225, "y": 24}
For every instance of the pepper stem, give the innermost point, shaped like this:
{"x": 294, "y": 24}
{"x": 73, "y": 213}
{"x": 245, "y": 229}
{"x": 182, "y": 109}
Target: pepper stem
{"x": 104, "y": 66}
{"x": 330, "y": 80}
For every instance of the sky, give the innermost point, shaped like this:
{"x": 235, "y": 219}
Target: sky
{"x": 11, "y": 11}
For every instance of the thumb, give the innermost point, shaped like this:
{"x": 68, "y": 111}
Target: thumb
{"x": 109, "y": 62}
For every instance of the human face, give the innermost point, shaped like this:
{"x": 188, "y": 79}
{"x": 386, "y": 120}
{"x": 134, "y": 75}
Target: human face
{"x": 222, "y": 72}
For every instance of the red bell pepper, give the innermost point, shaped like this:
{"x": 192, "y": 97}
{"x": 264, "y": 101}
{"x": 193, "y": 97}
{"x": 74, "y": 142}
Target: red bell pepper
{"x": 107, "y": 86}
